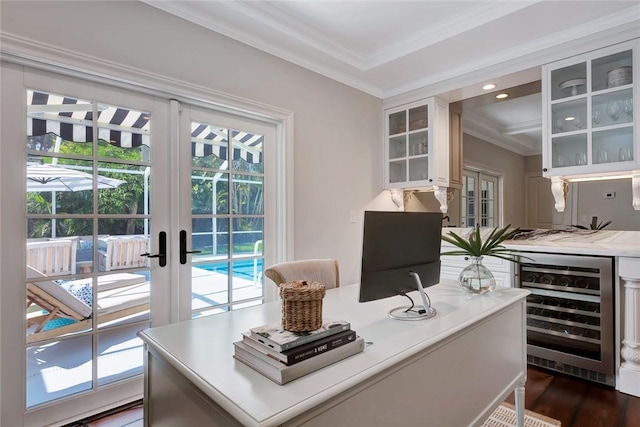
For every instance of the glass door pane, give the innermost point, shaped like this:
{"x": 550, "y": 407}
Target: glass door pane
{"x": 87, "y": 226}
{"x": 226, "y": 226}
{"x": 468, "y": 205}
{"x": 488, "y": 201}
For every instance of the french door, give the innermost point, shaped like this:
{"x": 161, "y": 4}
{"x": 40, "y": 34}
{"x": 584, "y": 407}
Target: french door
{"x": 480, "y": 199}
{"x": 85, "y": 204}
{"x": 225, "y": 231}
{"x": 134, "y": 211}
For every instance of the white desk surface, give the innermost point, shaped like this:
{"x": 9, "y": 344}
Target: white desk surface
{"x": 201, "y": 349}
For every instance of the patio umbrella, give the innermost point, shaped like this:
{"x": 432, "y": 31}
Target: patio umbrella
{"x": 55, "y": 178}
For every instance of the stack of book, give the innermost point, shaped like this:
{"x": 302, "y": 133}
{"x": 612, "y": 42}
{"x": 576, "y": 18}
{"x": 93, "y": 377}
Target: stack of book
{"x": 283, "y": 356}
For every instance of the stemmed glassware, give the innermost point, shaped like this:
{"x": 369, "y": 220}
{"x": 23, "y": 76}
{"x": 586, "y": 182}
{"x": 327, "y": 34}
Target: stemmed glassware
{"x": 624, "y": 154}
{"x": 557, "y": 123}
{"x": 613, "y": 110}
{"x": 602, "y": 156}
{"x": 577, "y": 124}
{"x": 627, "y": 107}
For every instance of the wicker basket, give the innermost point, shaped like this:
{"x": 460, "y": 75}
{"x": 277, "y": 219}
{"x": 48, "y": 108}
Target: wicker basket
{"x": 301, "y": 305}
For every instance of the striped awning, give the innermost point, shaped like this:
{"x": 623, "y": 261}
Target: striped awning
{"x": 72, "y": 120}
{"x": 208, "y": 140}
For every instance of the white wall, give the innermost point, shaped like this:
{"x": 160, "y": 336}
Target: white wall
{"x": 591, "y": 201}
{"x": 337, "y": 147}
{"x": 619, "y": 210}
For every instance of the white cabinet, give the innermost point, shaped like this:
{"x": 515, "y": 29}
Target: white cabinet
{"x": 590, "y": 105}
{"x": 416, "y": 147}
{"x": 452, "y": 265}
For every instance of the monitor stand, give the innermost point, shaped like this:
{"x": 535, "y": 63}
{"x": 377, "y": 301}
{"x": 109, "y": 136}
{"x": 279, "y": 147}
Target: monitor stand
{"x": 418, "y": 312}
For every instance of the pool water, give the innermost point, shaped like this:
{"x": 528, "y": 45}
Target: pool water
{"x": 241, "y": 269}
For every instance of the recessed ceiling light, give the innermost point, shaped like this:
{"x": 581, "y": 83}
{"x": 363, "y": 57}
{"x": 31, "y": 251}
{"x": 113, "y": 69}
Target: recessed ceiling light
{"x": 502, "y": 95}
{"x": 569, "y": 118}
{"x": 489, "y": 86}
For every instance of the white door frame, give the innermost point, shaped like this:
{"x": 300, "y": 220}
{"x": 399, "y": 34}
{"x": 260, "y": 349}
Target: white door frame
{"x": 12, "y": 363}
{"x": 69, "y": 408}
{"x": 181, "y": 305}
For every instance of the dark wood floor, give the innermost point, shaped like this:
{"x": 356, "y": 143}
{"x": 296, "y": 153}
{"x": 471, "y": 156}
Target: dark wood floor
{"x": 578, "y": 403}
{"x": 572, "y": 401}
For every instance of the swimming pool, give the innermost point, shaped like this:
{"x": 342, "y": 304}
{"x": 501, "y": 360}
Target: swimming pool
{"x": 243, "y": 269}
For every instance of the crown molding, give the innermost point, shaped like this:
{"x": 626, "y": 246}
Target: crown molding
{"x": 198, "y": 17}
{"x": 269, "y": 15}
{"x": 520, "y": 145}
{"x": 521, "y": 127}
{"x": 475, "y": 16}
{"x": 595, "y": 35}
{"x": 592, "y": 35}
{"x": 273, "y": 17}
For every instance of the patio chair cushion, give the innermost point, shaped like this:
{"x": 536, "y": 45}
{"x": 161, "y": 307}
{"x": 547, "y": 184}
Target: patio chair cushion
{"x": 123, "y": 298}
{"x": 59, "y": 293}
{"x": 111, "y": 281}
{"x": 82, "y": 291}
{"x": 116, "y": 291}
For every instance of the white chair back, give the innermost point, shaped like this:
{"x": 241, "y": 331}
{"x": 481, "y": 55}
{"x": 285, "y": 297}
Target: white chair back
{"x": 124, "y": 252}
{"x": 55, "y": 257}
{"x": 325, "y": 271}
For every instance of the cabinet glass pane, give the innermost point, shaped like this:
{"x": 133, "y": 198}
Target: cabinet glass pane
{"x": 419, "y": 169}
{"x": 397, "y": 122}
{"x": 569, "y": 81}
{"x": 398, "y": 171}
{"x": 612, "y": 71}
{"x": 418, "y": 143}
{"x": 614, "y": 145}
{"x": 418, "y": 118}
{"x": 569, "y": 151}
{"x": 612, "y": 108}
{"x": 397, "y": 147}
{"x": 569, "y": 116}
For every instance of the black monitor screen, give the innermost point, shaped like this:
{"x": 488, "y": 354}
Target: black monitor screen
{"x": 394, "y": 244}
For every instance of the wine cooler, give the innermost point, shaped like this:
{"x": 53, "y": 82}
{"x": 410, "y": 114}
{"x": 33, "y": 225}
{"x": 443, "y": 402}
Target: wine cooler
{"x": 570, "y": 326}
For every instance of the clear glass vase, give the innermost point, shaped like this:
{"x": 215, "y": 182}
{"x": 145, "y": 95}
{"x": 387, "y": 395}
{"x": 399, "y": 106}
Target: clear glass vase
{"x": 476, "y": 278}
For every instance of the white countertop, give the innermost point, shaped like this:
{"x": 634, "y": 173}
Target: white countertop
{"x": 585, "y": 242}
{"x": 202, "y": 349}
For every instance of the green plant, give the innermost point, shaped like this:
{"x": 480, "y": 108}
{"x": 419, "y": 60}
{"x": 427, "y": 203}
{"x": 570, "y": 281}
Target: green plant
{"x": 594, "y": 224}
{"x": 492, "y": 246}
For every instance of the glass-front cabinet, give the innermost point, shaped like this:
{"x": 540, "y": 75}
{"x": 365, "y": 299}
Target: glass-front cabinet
{"x": 417, "y": 145}
{"x": 590, "y": 102}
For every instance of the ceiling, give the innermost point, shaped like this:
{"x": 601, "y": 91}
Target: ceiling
{"x": 388, "y": 48}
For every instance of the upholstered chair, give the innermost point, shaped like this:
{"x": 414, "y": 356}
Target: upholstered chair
{"x": 324, "y": 271}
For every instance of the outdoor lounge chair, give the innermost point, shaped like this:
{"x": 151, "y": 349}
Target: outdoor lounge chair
{"x": 53, "y": 257}
{"x": 115, "y": 300}
{"x": 325, "y": 271}
{"x": 123, "y": 252}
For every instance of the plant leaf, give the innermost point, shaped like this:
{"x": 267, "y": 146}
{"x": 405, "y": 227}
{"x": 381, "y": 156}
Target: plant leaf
{"x": 601, "y": 225}
{"x": 492, "y": 246}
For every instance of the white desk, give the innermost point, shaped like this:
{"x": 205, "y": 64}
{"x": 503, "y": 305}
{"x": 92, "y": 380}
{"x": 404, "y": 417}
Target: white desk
{"x": 451, "y": 370}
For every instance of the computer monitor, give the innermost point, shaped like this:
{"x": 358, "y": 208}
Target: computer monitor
{"x": 400, "y": 254}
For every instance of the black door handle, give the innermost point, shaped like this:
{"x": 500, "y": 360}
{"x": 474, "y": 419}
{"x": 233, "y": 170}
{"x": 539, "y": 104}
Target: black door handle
{"x": 162, "y": 246}
{"x": 183, "y": 247}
